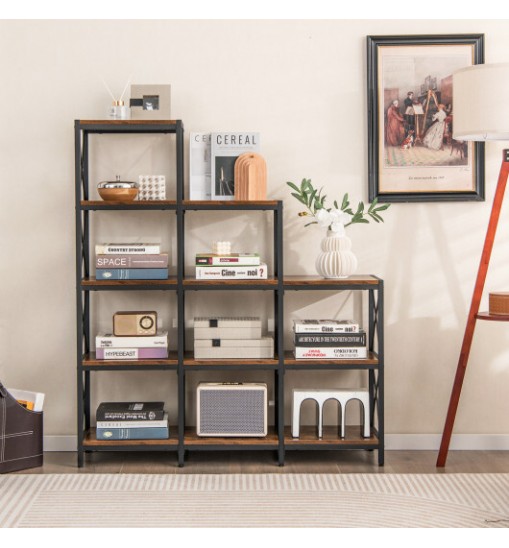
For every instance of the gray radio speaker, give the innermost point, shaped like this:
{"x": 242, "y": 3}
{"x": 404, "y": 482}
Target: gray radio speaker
{"x": 231, "y": 409}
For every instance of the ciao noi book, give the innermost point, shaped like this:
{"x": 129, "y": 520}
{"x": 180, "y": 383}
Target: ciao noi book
{"x": 226, "y": 147}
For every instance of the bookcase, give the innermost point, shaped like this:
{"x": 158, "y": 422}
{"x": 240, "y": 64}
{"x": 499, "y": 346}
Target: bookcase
{"x": 181, "y": 363}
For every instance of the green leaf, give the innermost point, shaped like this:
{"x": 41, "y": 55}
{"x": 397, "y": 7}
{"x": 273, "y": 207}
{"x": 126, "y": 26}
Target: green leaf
{"x": 300, "y": 198}
{"x": 383, "y": 207}
{"x": 305, "y": 184}
{"x": 295, "y": 187}
{"x": 312, "y": 223}
{"x": 336, "y": 204}
{"x": 312, "y": 197}
{"x": 345, "y": 203}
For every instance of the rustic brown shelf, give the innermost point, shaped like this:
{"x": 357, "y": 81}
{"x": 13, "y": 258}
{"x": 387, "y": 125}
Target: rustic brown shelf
{"x": 492, "y": 317}
{"x": 126, "y": 123}
{"x": 191, "y": 280}
{"x": 371, "y": 360}
{"x": 308, "y": 436}
{"x": 317, "y": 281}
{"x": 192, "y": 439}
{"x": 89, "y": 282}
{"x": 180, "y": 365}
{"x": 230, "y": 204}
{"x": 91, "y": 360}
{"x": 135, "y": 205}
{"x": 90, "y": 440}
{"x": 190, "y": 361}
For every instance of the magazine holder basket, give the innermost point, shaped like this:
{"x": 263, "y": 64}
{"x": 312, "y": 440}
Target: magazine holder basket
{"x": 20, "y": 435}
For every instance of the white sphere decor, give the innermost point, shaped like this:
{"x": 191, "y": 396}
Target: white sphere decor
{"x": 336, "y": 259}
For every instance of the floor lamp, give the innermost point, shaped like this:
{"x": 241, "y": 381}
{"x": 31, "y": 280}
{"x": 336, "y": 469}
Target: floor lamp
{"x": 480, "y": 113}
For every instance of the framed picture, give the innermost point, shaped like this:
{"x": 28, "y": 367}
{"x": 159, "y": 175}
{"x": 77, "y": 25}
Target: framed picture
{"x": 412, "y": 155}
{"x": 150, "y": 102}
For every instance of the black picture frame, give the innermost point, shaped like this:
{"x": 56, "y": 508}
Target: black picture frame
{"x": 388, "y": 167}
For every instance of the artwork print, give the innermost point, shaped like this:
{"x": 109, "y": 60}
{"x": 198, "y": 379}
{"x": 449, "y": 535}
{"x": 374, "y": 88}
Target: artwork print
{"x": 414, "y": 156}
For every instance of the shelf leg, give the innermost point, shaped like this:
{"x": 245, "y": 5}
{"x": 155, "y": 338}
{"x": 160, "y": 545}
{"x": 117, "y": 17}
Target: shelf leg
{"x": 474, "y": 310}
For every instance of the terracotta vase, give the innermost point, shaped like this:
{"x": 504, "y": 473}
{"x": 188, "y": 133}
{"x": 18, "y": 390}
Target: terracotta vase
{"x": 336, "y": 259}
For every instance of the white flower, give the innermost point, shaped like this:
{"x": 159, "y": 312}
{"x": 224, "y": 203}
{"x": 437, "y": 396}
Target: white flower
{"x": 334, "y": 220}
{"x": 323, "y": 217}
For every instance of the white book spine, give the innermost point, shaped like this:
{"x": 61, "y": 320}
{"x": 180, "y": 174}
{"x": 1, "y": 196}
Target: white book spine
{"x": 231, "y": 273}
{"x": 120, "y": 354}
{"x": 127, "y": 249}
{"x": 110, "y": 341}
{"x": 199, "y": 166}
{"x": 134, "y": 424}
{"x": 326, "y": 328}
{"x": 330, "y": 353}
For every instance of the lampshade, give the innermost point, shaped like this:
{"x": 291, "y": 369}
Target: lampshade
{"x": 481, "y": 103}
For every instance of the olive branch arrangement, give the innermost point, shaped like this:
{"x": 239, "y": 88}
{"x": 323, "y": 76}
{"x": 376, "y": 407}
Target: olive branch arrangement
{"x": 334, "y": 218}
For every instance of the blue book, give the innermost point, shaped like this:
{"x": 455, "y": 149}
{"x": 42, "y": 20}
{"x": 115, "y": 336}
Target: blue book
{"x": 138, "y": 433}
{"x": 131, "y": 273}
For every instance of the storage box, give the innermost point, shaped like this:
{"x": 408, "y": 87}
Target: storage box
{"x": 499, "y": 303}
{"x": 20, "y": 435}
{"x": 231, "y": 409}
{"x": 215, "y": 349}
{"x": 227, "y": 328}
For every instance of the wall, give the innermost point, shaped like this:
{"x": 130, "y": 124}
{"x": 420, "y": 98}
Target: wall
{"x": 302, "y": 85}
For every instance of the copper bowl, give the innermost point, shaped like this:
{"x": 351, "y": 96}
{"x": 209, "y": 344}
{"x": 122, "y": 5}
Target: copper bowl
{"x": 118, "y": 191}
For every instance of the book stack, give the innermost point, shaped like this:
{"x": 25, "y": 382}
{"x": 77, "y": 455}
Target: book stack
{"x": 133, "y": 261}
{"x": 143, "y": 347}
{"x": 231, "y": 338}
{"x": 328, "y": 340}
{"x": 230, "y": 266}
{"x": 132, "y": 421}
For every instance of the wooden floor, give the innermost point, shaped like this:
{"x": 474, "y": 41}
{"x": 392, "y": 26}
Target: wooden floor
{"x": 257, "y": 462}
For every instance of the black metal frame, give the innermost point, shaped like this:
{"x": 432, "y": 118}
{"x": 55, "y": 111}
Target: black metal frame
{"x": 373, "y": 101}
{"x": 375, "y": 370}
{"x": 181, "y": 286}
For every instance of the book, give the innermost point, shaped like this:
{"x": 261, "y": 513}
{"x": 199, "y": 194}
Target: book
{"x": 131, "y": 273}
{"x": 108, "y": 340}
{"x": 130, "y": 411}
{"x": 133, "y": 433}
{"x": 158, "y": 353}
{"x": 131, "y": 261}
{"x": 199, "y": 166}
{"x": 225, "y": 148}
{"x": 233, "y": 259}
{"x": 232, "y": 272}
{"x": 325, "y": 326}
{"x": 330, "y": 339}
{"x": 330, "y": 353}
{"x": 127, "y": 249}
{"x": 33, "y": 401}
{"x": 163, "y": 423}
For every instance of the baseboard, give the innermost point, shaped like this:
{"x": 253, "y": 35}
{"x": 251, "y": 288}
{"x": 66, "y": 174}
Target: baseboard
{"x": 459, "y": 442}
{"x": 393, "y": 442}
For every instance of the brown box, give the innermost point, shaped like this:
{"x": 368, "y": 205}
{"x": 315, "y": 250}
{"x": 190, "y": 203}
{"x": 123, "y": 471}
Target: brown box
{"x": 20, "y": 435}
{"x": 499, "y": 303}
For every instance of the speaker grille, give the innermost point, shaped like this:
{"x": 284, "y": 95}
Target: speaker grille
{"x": 240, "y": 412}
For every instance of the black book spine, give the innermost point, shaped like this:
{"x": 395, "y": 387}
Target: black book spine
{"x": 332, "y": 340}
{"x": 105, "y": 415}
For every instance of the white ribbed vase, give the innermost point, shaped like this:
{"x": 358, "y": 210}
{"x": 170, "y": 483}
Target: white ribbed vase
{"x": 336, "y": 259}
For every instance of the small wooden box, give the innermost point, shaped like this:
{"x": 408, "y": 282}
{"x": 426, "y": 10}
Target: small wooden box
{"x": 499, "y": 303}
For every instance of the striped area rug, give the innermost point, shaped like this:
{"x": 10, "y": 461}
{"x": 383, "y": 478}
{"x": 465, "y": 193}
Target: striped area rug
{"x": 255, "y": 500}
